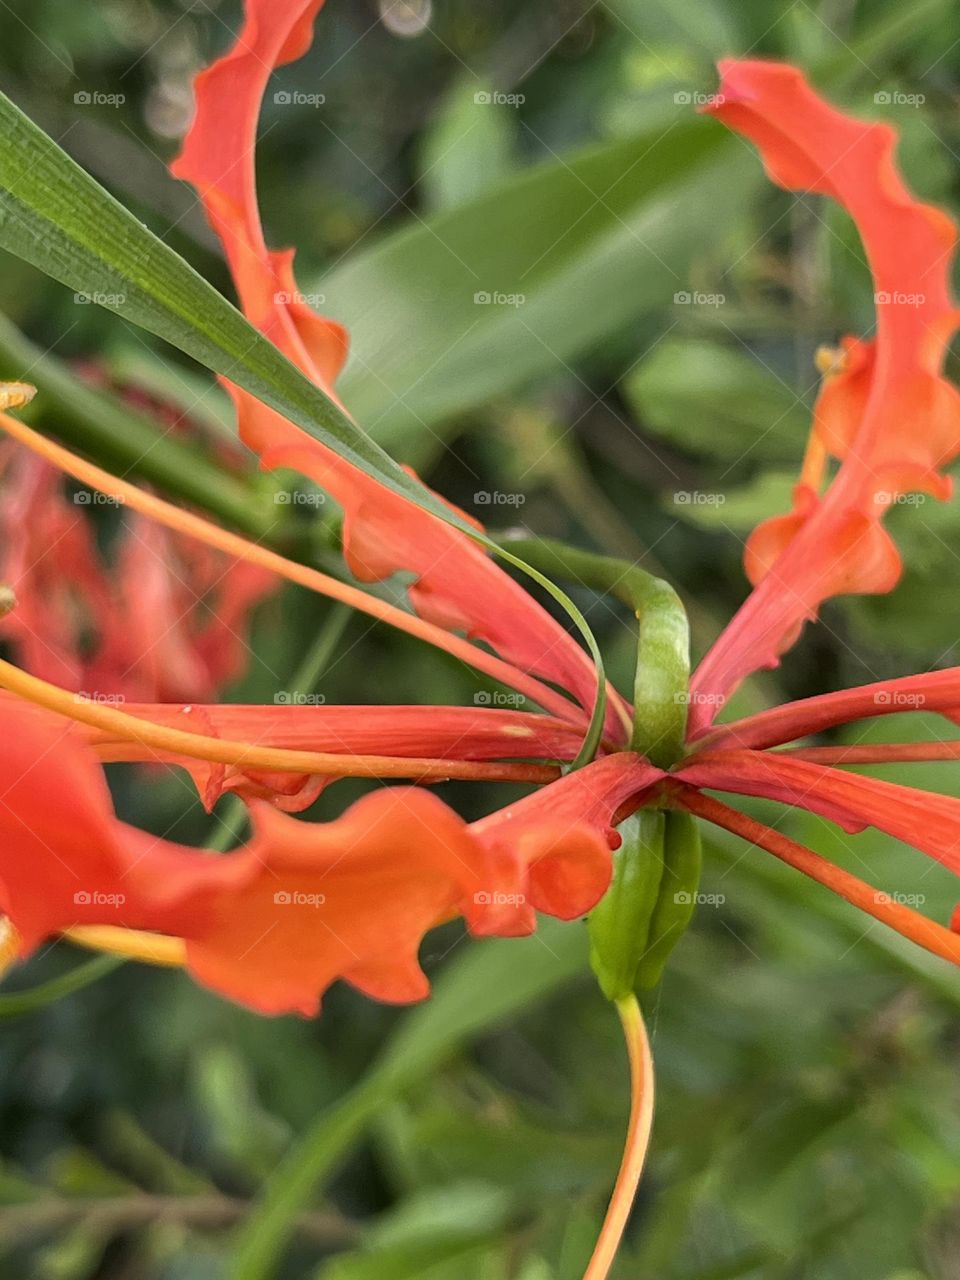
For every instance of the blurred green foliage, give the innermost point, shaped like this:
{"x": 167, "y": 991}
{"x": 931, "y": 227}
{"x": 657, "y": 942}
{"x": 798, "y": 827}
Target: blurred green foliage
{"x": 808, "y": 1122}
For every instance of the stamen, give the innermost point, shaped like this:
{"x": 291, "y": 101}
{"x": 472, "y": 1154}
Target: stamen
{"x": 160, "y": 739}
{"x": 910, "y": 924}
{"x": 234, "y": 545}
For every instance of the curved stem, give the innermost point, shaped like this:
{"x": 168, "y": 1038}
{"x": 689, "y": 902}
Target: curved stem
{"x": 638, "y": 1139}
{"x": 232, "y": 544}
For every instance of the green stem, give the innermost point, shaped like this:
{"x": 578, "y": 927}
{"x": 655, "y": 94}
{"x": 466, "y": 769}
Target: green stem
{"x": 15, "y": 1003}
{"x": 125, "y": 441}
{"x": 663, "y": 647}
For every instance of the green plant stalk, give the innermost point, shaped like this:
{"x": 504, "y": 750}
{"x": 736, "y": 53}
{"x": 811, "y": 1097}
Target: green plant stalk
{"x": 619, "y": 924}
{"x": 663, "y": 646}
{"x": 125, "y": 441}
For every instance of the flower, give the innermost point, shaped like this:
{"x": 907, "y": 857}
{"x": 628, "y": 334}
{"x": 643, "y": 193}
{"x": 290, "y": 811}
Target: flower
{"x": 162, "y": 619}
{"x": 299, "y": 906}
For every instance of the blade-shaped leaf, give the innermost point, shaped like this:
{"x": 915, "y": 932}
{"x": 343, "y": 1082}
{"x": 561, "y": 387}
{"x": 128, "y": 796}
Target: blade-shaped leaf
{"x": 55, "y": 216}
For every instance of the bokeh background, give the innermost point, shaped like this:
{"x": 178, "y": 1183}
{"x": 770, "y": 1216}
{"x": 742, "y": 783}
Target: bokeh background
{"x": 639, "y": 382}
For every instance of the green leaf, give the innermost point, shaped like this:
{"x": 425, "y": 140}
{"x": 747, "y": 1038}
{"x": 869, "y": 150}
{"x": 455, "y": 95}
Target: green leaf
{"x": 719, "y": 402}
{"x": 57, "y": 217}
{"x": 590, "y": 242}
{"x": 54, "y": 215}
{"x": 491, "y": 982}
{"x": 471, "y": 143}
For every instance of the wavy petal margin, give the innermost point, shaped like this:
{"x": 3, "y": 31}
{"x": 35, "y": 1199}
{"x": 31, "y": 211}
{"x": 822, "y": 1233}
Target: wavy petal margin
{"x": 457, "y": 585}
{"x": 888, "y": 413}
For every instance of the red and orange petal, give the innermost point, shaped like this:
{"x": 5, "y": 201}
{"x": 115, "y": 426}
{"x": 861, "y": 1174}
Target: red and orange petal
{"x": 937, "y": 691}
{"x": 929, "y": 822}
{"x": 457, "y": 585}
{"x": 167, "y": 621}
{"x": 436, "y": 733}
{"x": 887, "y": 412}
{"x": 218, "y": 159}
{"x": 66, "y": 860}
{"x": 353, "y": 898}
{"x": 301, "y": 905}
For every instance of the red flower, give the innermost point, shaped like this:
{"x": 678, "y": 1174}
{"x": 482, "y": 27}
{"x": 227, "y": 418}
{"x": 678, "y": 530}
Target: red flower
{"x": 164, "y": 619}
{"x": 301, "y": 905}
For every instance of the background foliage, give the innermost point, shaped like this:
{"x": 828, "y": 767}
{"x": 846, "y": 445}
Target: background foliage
{"x": 808, "y": 1094}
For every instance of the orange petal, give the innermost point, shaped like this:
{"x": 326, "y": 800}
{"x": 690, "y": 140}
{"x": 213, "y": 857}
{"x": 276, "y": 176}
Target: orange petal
{"x": 218, "y": 158}
{"x": 454, "y": 733}
{"x": 66, "y": 860}
{"x": 353, "y": 898}
{"x": 937, "y": 691}
{"x": 881, "y": 906}
{"x": 457, "y": 586}
{"x": 929, "y": 822}
{"x": 888, "y": 413}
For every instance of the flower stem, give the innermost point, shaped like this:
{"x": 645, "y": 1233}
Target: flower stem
{"x": 638, "y": 1139}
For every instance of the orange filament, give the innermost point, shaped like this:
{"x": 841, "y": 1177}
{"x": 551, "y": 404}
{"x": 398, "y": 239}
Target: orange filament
{"x": 232, "y": 544}
{"x": 167, "y": 742}
{"x": 910, "y": 924}
{"x": 134, "y": 944}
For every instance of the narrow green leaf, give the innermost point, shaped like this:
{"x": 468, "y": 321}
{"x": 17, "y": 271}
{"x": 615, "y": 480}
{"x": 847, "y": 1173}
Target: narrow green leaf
{"x": 54, "y": 215}
{"x": 57, "y": 217}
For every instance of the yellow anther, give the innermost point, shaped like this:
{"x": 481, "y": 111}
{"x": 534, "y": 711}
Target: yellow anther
{"x": 830, "y": 360}
{"x": 14, "y": 395}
